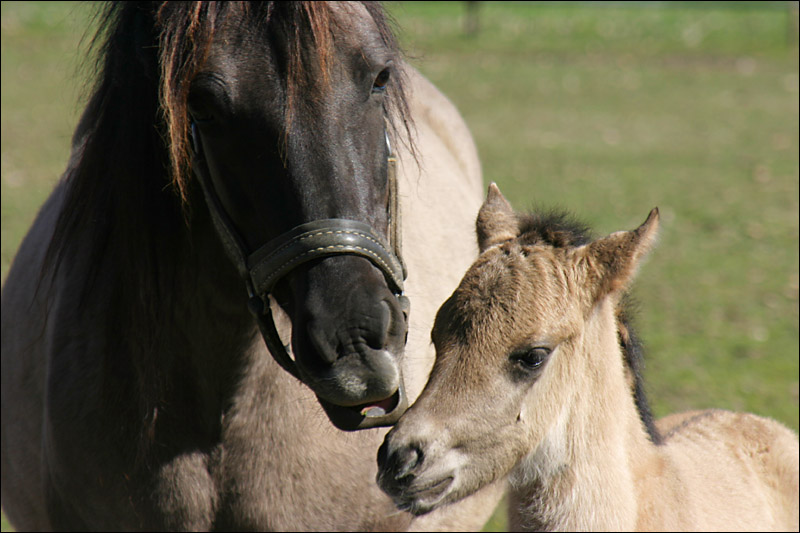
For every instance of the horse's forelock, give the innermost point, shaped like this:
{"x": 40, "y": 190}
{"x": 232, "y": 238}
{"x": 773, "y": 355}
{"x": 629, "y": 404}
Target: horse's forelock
{"x": 185, "y": 33}
{"x": 186, "y": 30}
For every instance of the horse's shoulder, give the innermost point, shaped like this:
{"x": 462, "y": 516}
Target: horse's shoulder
{"x": 24, "y": 340}
{"x": 22, "y": 299}
{"x": 763, "y": 443}
{"x": 725, "y": 424}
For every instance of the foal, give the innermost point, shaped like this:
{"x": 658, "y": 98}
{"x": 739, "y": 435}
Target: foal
{"x": 536, "y": 378}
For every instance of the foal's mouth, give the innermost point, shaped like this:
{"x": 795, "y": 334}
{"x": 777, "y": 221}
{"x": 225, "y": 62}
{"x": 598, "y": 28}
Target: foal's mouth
{"x": 421, "y": 500}
{"x": 380, "y": 413}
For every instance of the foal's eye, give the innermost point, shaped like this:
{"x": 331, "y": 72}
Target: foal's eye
{"x": 530, "y": 359}
{"x": 379, "y": 85}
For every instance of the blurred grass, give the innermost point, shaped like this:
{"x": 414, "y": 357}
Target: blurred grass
{"x": 605, "y": 110}
{"x": 40, "y": 108}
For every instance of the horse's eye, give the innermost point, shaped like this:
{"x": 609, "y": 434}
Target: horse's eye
{"x": 530, "y": 359}
{"x": 199, "y": 114}
{"x": 379, "y": 85}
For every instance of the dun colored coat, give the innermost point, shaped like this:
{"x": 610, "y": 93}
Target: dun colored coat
{"x": 536, "y": 380}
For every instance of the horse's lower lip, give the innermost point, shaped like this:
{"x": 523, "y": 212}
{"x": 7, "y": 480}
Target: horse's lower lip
{"x": 369, "y": 415}
{"x": 380, "y": 408}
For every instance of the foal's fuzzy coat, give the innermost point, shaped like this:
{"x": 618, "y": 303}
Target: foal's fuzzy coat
{"x": 531, "y": 382}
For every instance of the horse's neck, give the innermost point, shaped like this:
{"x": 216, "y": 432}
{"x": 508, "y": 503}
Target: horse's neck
{"x": 215, "y": 309}
{"x": 205, "y": 326}
{"x": 584, "y": 474}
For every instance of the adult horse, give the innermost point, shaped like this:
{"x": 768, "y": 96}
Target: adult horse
{"x": 230, "y": 183}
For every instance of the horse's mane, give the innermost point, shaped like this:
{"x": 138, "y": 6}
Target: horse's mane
{"x": 561, "y": 230}
{"x": 127, "y": 199}
{"x": 134, "y": 132}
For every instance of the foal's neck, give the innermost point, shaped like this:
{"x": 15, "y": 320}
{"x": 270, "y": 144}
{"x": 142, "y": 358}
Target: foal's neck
{"x": 583, "y": 475}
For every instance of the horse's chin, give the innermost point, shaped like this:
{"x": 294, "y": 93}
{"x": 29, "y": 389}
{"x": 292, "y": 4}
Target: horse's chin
{"x": 381, "y": 413}
{"x": 360, "y": 390}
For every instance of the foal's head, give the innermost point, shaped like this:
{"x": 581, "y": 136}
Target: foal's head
{"x": 521, "y": 336}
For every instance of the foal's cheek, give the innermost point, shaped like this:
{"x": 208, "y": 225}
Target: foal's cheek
{"x": 522, "y": 415}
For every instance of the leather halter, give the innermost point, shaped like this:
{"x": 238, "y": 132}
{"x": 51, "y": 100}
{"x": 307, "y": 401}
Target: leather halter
{"x": 264, "y": 267}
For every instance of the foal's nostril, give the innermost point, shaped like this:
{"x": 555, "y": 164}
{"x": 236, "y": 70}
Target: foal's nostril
{"x": 382, "y": 452}
{"x": 400, "y": 463}
{"x": 405, "y": 460}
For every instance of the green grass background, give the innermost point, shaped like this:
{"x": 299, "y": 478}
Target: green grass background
{"x": 606, "y": 110}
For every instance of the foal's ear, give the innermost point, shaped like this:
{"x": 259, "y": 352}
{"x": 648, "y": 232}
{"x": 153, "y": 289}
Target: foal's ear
{"x": 611, "y": 262}
{"x": 497, "y": 221}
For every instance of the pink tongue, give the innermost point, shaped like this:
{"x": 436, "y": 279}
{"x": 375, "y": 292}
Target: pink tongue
{"x": 378, "y": 408}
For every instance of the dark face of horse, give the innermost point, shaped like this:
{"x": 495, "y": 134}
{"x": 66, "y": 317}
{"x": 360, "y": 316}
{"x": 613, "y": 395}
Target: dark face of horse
{"x": 291, "y": 135}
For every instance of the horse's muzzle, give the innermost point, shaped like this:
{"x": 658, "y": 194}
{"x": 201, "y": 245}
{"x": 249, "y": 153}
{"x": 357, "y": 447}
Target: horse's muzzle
{"x": 348, "y": 339}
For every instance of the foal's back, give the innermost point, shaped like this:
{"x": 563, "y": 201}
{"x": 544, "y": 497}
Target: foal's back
{"x": 738, "y": 471}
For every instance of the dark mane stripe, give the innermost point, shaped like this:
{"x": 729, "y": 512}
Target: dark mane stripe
{"x": 560, "y": 230}
{"x": 553, "y": 228}
{"x": 633, "y": 350}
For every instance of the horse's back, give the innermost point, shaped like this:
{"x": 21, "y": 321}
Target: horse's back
{"x": 740, "y": 470}
{"x": 24, "y": 340}
{"x": 432, "y": 110}
{"x": 441, "y": 191}
{"x": 440, "y": 186}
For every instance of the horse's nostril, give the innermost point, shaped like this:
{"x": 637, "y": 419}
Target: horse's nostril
{"x": 376, "y": 339}
{"x": 320, "y": 343}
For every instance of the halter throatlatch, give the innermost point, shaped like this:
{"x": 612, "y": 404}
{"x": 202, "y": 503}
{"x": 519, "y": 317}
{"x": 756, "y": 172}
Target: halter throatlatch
{"x": 264, "y": 267}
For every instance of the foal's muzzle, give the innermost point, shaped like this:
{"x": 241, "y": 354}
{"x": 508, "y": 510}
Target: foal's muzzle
{"x": 402, "y": 475}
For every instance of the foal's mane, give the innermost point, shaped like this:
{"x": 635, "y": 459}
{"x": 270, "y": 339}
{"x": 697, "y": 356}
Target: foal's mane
{"x": 127, "y": 195}
{"x": 560, "y": 230}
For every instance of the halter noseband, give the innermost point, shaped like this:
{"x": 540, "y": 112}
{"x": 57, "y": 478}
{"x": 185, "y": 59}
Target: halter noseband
{"x": 264, "y": 267}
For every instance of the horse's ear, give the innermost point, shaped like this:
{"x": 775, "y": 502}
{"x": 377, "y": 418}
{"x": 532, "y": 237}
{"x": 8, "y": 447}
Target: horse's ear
{"x": 611, "y": 262}
{"x": 497, "y": 221}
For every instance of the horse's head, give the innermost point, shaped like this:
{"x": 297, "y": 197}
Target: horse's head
{"x": 289, "y": 107}
{"x": 510, "y": 346}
